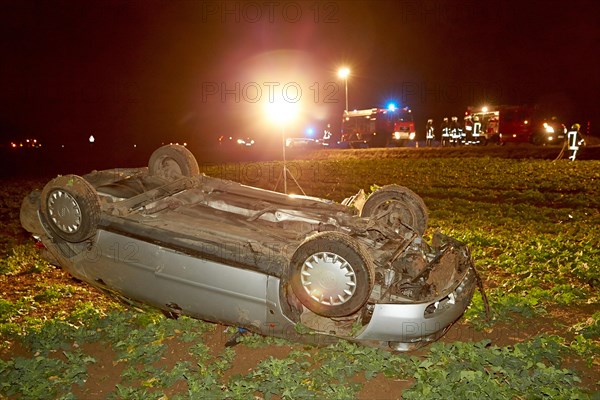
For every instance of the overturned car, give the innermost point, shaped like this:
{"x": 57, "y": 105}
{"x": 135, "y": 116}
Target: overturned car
{"x": 297, "y": 267}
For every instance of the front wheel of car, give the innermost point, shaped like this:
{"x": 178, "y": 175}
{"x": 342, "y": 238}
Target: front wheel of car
{"x": 173, "y": 161}
{"x": 331, "y": 274}
{"x": 397, "y": 205}
{"x": 71, "y": 208}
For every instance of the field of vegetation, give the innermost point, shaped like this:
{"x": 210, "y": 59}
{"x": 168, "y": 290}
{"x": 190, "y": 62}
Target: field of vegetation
{"x": 533, "y": 227}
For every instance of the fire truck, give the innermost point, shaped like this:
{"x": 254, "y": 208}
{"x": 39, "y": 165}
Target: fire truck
{"x": 484, "y": 125}
{"x": 377, "y": 127}
{"x": 516, "y": 124}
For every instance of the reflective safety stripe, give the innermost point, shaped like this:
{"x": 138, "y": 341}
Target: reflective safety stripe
{"x": 572, "y": 135}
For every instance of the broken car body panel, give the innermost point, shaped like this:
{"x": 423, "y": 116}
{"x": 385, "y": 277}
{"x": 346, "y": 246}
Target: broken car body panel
{"x": 296, "y": 267}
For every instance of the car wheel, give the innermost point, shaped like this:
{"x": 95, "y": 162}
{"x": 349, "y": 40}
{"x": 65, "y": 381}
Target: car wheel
{"x": 173, "y": 161}
{"x": 397, "y": 205}
{"x": 331, "y": 274}
{"x": 71, "y": 208}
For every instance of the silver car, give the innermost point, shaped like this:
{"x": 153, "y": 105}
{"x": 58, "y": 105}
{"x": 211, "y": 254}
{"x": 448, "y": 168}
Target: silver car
{"x": 296, "y": 267}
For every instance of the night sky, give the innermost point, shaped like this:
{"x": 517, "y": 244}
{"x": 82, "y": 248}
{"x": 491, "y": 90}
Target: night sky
{"x": 159, "y": 71}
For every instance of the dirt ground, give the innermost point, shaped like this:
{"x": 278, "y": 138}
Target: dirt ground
{"x": 107, "y": 374}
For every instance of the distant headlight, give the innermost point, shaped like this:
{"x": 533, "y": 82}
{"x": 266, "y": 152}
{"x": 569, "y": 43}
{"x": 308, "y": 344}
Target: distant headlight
{"x": 548, "y": 128}
{"x": 550, "y": 138}
{"x": 397, "y": 135}
{"x": 240, "y": 141}
{"x": 411, "y": 136}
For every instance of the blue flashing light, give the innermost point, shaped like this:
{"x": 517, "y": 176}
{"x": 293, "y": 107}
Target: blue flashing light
{"x": 310, "y": 131}
{"x": 392, "y": 107}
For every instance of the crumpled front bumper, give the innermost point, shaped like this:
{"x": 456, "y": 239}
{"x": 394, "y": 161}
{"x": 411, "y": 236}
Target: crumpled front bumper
{"x": 409, "y": 326}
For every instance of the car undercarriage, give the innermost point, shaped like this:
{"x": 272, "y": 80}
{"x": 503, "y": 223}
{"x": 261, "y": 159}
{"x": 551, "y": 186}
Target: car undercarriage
{"x": 297, "y": 267}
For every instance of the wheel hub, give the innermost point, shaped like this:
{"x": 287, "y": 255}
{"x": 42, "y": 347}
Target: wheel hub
{"x": 395, "y": 211}
{"x": 64, "y": 211}
{"x": 328, "y": 278}
{"x": 170, "y": 167}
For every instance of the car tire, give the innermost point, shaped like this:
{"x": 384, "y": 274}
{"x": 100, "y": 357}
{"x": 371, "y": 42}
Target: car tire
{"x": 172, "y": 162}
{"x": 71, "y": 208}
{"x": 331, "y": 274}
{"x": 400, "y": 206}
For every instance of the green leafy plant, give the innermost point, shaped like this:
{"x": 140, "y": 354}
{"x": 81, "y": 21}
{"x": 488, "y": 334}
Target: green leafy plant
{"x": 532, "y": 227}
{"x": 23, "y": 259}
{"x": 526, "y": 370}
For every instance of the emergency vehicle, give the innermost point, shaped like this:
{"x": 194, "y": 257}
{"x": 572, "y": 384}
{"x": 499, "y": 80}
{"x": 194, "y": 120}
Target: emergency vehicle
{"x": 377, "y": 127}
{"x": 518, "y": 124}
{"x": 483, "y": 124}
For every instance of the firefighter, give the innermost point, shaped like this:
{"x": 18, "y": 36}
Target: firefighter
{"x": 445, "y": 132}
{"x": 476, "y": 130}
{"x": 468, "y": 130}
{"x": 574, "y": 141}
{"x": 327, "y": 133}
{"x": 429, "y": 136}
{"x": 455, "y": 131}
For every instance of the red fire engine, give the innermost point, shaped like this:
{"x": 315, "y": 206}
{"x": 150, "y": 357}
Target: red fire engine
{"x": 377, "y": 127}
{"x": 516, "y": 124}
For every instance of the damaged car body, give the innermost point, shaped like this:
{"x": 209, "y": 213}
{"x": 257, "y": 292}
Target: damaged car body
{"x": 296, "y": 267}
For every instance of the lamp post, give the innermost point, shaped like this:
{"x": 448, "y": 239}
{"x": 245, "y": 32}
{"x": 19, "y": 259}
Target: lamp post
{"x": 282, "y": 112}
{"x": 284, "y": 162}
{"x": 344, "y": 73}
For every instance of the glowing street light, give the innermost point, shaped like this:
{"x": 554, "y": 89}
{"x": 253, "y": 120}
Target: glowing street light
{"x": 344, "y": 73}
{"x": 282, "y": 112}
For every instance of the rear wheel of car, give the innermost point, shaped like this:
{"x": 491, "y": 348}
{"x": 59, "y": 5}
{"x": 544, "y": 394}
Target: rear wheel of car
{"x": 173, "y": 161}
{"x": 397, "y": 205}
{"x": 71, "y": 208}
{"x": 331, "y": 274}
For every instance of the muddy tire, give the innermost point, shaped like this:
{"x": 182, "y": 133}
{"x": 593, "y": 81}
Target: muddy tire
{"x": 397, "y": 205}
{"x": 71, "y": 208}
{"x": 172, "y": 162}
{"x": 331, "y": 274}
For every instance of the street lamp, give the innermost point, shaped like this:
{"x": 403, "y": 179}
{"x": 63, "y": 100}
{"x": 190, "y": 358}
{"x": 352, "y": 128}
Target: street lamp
{"x": 282, "y": 112}
{"x": 343, "y": 73}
